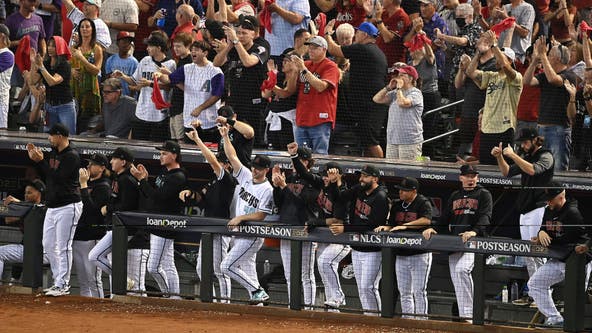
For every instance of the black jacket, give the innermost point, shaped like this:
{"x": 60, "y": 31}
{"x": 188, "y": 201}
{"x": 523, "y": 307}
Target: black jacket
{"x": 92, "y": 223}
{"x": 466, "y": 211}
{"x": 565, "y": 226}
{"x": 61, "y": 177}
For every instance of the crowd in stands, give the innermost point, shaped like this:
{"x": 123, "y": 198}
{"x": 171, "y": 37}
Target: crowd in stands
{"x": 315, "y": 72}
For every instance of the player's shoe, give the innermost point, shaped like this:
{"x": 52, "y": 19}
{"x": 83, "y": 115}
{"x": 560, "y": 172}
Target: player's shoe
{"x": 130, "y": 284}
{"x": 554, "y": 322}
{"x": 58, "y": 291}
{"x": 259, "y": 296}
{"x": 332, "y": 304}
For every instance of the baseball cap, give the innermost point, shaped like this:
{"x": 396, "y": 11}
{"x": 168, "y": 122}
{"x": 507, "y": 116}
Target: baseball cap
{"x": 114, "y": 83}
{"x": 553, "y": 189}
{"x": 331, "y": 165}
{"x": 4, "y": 30}
{"x": 369, "y": 28}
{"x": 318, "y": 41}
{"x": 59, "y": 129}
{"x": 226, "y": 111}
{"x": 38, "y": 185}
{"x": 468, "y": 169}
{"x": 527, "y": 133}
{"x": 509, "y": 53}
{"x": 261, "y": 162}
{"x": 215, "y": 28}
{"x": 287, "y": 52}
{"x": 170, "y": 146}
{"x": 124, "y": 34}
{"x": 409, "y": 70}
{"x": 156, "y": 40}
{"x": 221, "y": 157}
{"x": 408, "y": 184}
{"x": 429, "y": 2}
{"x": 370, "y": 170}
{"x": 304, "y": 153}
{"x": 123, "y": 154}
{"x": 98, "y": 159}
{"x": 249, "y": 22}
{"x": 94, "y": 2}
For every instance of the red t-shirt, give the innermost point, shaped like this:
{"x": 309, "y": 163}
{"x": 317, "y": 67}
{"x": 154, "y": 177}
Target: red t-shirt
{"x": 581, "y": 4}
{"x": 314, "y": 108}
{"x": 354, "y": 15}
{"x": 399, "y": 24}
{"x": 187, "y": 27}
{"x": 143, "y": 29}
{"x": 558, "y": 27}
{"x": 67, "y": 26}
{"x": 528, "y": 105}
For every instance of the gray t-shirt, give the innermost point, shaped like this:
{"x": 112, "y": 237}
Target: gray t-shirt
{"x": 118, "y": 116}
{"x": 428, "y": 75}
{"x": 405, "y": 126}
{"x": 524, "y": 15}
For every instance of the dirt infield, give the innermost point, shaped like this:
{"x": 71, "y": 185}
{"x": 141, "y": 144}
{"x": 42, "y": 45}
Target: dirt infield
{"x": 27, "y": 313}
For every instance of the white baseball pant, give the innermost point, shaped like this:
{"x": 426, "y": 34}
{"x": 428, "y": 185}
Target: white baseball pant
{"x": 530, "y": 224}
{"x": 161, "y": 264}
{"x": 309, "y": 285}
{"x": 99, "y": 254}
{"x": 539, "y": 287}
{"x": 412, "y": 280}
{"x": 240, "y": 262}
{"x": 137, "y": 260}
{"x": 219, "y": 251}
{"x": 328, "y": 258}
{"x": 461, "y": 265}
{"x": 89, "y": 275}
{"x": 13, "y": 254}
{"x": 59, "y": 227}
{"x": 368, "y": 272}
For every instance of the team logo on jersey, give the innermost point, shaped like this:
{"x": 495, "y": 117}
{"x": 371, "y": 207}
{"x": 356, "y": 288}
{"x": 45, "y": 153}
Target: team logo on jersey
{"x": 54, "y": 163}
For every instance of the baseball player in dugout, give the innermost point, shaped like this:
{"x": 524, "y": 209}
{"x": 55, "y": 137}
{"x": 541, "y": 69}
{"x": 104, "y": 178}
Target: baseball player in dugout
{"x": 163, "y": 198}
{"x": 368, "y": 210}
{"x": 562, "y": 227}
{"x": 64, "y": 204}
{"x": 412, "y": 212}
{"x": 253, "y": 201}
{"x": 95, "y": 188}
{"x": 296, "y": 198}
{"x": 466, "y": 214}
{"x": 215, "y": 198}
{"x": 535, "y": 165}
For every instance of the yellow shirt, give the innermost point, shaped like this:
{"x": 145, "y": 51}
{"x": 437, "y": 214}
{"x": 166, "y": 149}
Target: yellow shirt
{"x": 501, "y": 101}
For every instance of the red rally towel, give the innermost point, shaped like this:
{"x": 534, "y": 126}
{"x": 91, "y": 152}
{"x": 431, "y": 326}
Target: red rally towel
{"x": 270, "y": 82}
{"x": 503, "y": 26}
{"x": 321, "y": 21}
{"x": 265, "y": 16}
{"x": 417, "y": 42}
{"x": 23, "y": 54}
{"x": 62, "y": 47}
{"x": 585, "y": 28}
{"x": 157, "y": 98}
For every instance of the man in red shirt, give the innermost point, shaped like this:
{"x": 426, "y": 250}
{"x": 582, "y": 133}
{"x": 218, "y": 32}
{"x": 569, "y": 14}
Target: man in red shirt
{"x": 317, "y": 97}
{"x": 184, "y": 16}
{"x": 393, "y": 23}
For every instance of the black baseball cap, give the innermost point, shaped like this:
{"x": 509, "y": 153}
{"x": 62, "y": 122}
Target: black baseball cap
{"x": 123, "y": 154}
{"x": 249, "y": 22}
{"x": 553, "y": 189}
{"x": 59, "y": 129}
{"x": 468, "y": 169}
{"x": 221, "y": 157}
{"x": 170, "y": 146}
{"x": 38, "y": 185}
{"x": 226, "y": 111}
{"x": 261, "y": 162}
{"x": 98, "y": 159}
{"x": 408, "y": 184}
{"x": 215, "y": 28}
{"x": 527, "y": 133}
{"x": 331, "y": 165}
{"x": 370, "y": 170}
{"x": 287, "y": 52}
{"x": 304, "y": 153}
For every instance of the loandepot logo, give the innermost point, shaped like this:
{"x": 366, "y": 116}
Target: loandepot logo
{"x": 404, "y": 241}
{"x": 166, "y": 223}
{"x": 265, "y": 230}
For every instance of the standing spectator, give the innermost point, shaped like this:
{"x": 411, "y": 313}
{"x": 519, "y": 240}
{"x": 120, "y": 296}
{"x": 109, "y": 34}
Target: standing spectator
{"x": 412, "y": 212}
{"x": 501, "y": 101}
{"x": 535, "y": 167}
{"x": 185, "y": 18}
{"x": 55, "y": 72}
{"x": 253, "y": 198}
{"x": 119, "y": 15}
{"x": 6, "y": 66}
{"x": 123, "y": 60}
{"x": 404, "y": 134}
{"x": 448, "y": 13}
{"x": 367, "y": 76}
{"x": 352, "y": 12}
{"x": 146, "y": 8}
{"x": 167, "y": 9}
{"x": 230, "y": 13}
{"x": 64, "y": 204}
{"x": 489, "y": 15}
{"x": 118, "y": 110}
{"x": 560, "y": 17}
{"x": 90, "y": 10}
{"x": 48, "y": 10}
{"x": 203, "y": 86}
{"x": 300, "y": 48}
{"x": 524, "y": 14}
{"x": 287, "y": 16}
{"x": 368, "y": 210}
{"x": 467, "y": 214}
{"x": 87, "y": 60}
{"x": 246, "y": 61}
{"x": 528, "y": 106}
{"x": 553, "y": 122}
{"x": 392, "y": 23}
{"x": 150, "y": 123}
{"x": 164, "y": 199}
{"x": 95, "y": 189}
{"x": 317, "y": 97}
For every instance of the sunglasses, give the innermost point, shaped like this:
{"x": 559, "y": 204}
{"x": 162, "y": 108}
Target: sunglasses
{"x": 109, "y": 91}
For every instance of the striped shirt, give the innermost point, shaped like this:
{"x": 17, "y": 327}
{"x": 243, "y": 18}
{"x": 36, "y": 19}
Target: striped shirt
{"x": 146, "y": 110}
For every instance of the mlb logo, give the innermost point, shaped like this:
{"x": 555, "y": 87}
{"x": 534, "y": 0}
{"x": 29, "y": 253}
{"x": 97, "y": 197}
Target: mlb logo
{"x": 355, "y": 237}
{"x": 472, "y": 244}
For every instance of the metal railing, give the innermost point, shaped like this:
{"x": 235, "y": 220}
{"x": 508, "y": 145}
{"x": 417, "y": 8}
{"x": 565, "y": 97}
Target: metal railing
{"x": 438, "y": 109}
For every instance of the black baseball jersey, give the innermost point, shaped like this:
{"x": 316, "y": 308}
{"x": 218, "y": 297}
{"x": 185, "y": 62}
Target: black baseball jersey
{"x": 61, "y": 177}
{"x": 466, "y": 211}
{"x": 91, "y": 224}
{"x": 216, "y": 196}
{"x": 242, "y": 146}
{"x": 367, "y": 211}
{"x": 402, "y": 212}
{"x": 124, "y": 193}
{"x": 564, "y": 225}
{"x": 543, "y": 163}
{"x": 244, "y": 82}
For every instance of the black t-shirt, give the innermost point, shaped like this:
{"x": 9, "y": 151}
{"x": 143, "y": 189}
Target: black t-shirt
{"x": 60, "y": 93}
{"x": 242, "y": 145}
{"x": 244, "y": 82}
{"x": 543, "y": 163}
{"x": 367, "y": 71}
{"x": 61, "y": 171}
{"x": 177, "y": 99}
{"x": 402, "y": 213}
{"x": 554, "y": 100}
{"x": 217, "y": 196}
{"x": 367, "y": 211}
{"x": 91, "y": 222}
{"x": 473, "y": 95}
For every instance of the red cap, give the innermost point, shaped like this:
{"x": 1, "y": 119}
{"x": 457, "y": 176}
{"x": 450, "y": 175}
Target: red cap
{"x": 409, "y": 70}
{"x": 124, "y": 34}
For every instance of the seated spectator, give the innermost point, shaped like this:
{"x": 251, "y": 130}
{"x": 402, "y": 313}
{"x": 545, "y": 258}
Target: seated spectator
{"x": 404, "y": 133}
{"x": 123, "y": 60}
{"x": 31, "y": 113}
{"x": 118, "y": 110}
{"x": 524, "y": 14}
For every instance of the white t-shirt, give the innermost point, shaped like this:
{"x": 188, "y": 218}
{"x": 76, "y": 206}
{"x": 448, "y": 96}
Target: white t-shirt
{"x": 146, "y": 110}
{"x": 103, "y": 36}
{"x": 250, "y": 197}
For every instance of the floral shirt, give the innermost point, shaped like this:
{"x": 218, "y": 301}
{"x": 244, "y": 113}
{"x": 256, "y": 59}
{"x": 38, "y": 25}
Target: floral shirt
{"x": 472, "y": 32}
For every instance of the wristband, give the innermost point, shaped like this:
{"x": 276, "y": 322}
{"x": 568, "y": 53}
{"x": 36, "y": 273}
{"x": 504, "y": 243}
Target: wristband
{"x": 230, "y": 122}
{"x": 303, "y": 72}
{"x": 379, "y": 22}
{"x": 368, "y": 16}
